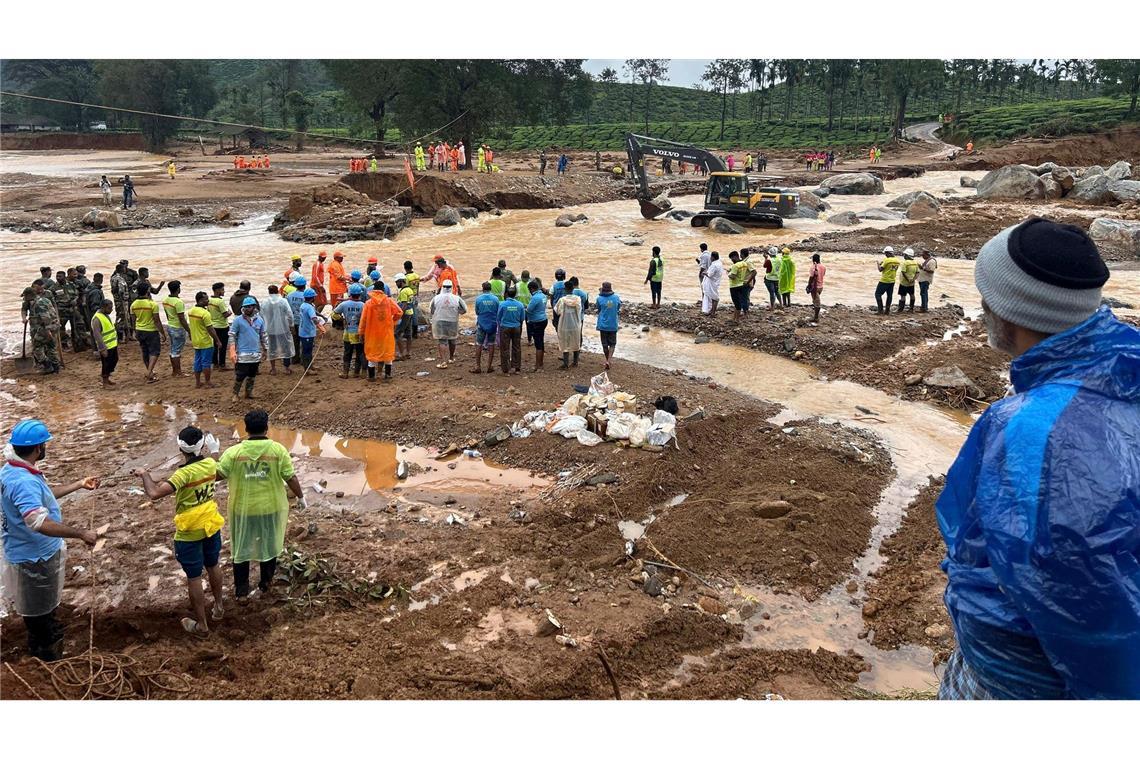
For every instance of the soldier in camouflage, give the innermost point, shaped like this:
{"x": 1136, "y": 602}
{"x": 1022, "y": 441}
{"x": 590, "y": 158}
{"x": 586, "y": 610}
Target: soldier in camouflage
{"x": 44, "y": 324}
{"x": 81, "y": 319}
{"x": 65, "y": 303}
{"x": 121, "y": 295}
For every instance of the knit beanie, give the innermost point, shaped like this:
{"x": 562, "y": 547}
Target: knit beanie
{"x": 1041, "y": 275}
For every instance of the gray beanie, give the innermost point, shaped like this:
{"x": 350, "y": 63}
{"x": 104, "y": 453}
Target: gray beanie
{"x": 1041, "y": 275}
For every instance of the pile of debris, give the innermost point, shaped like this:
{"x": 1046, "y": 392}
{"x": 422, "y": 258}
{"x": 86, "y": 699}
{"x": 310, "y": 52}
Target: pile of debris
{"x": 336, "y": 213}
{"x": 603, "y": 413}
{"x": 1048, "y": 181}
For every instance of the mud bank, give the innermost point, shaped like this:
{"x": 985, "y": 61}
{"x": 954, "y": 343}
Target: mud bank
{"x": 73, "y": 141}
{"x": 904, "y": 599}
{"x": 1074, "y": 150}
{"x": 504, "y": 191}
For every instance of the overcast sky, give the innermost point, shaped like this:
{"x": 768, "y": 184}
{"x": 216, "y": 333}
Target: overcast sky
{"x": 683, "y": 72}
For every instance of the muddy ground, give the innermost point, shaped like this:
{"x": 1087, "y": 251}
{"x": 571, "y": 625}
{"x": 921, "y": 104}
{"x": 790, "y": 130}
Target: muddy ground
{"x": 904, "y": 601}
{"x": 1105, "y": 148}
{"x": 471, "y": 596}
{"x": 964, "y": 225}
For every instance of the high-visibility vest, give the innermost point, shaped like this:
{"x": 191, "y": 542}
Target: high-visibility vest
{"x": 110, "y": 337}
{"x": 659, "y": 270}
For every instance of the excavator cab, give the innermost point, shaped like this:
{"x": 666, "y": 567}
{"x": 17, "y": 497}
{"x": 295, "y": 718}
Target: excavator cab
{"x": 727, "y": 189}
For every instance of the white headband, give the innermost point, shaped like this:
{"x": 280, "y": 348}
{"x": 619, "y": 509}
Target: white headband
{"x": 195, "y": 449}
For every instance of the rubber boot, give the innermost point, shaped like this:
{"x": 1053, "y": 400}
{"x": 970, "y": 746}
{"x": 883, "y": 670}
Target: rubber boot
{"x": 576, "y": 358}
{"x": 371, "y": 374}
{"x": 249, "y": 387}
{"x": 388, "y": 371}
{"x": 565, "y": 360}
{"x": 910, "y": 308}
{"x": 237, "y": 387}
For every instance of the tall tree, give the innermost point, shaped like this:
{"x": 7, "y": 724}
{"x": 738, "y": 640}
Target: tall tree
{"x": 371, "y": 85}
{"x": 159, "y": 86}
{"x": 1121, "y": 75}
{"x": 903, "y": 78}
{"x": 64, "y": 79}
{"x": 608, "y": 75}
{"x": 300, "y": 107}
{"x": 650, "y": 70}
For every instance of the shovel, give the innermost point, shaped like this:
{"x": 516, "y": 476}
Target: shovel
{"x": 23, "y": 363}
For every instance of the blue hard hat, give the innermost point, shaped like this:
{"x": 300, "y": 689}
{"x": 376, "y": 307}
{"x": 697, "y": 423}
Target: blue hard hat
{"x": 249, "y": 301}
{"x": 299, "y": 282}
{"x": 310, "y": 293}
{"x": 29, "y": 433}
{"x": 356, "y": 289}
{"x": 355, "y": 274}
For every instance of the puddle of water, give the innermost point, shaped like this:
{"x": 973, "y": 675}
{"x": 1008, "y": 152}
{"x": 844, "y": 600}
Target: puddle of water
{"x": 366, "y": 464}
{"x": 469, "y": 578}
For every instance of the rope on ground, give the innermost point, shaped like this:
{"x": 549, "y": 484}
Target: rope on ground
{"x": 19, "y": 678}
{"x": 112, "y": 676}
{"x": 297, "y": 384}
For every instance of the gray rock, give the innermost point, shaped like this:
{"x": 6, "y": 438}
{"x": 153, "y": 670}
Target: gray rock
{"x": 811, "y": 200}
{"x": 1045, "y": 168}
{"x": 967, "y": 182}
{"x": 1119, "y": 170}
{"x": 1090, "y": 171}
{"x": 446, "y": 217}
{"x": 602, "y": 478}
{"x": 1064, "y": 177}
{"x": 904, "y": 201}
{"x": 564, "y": 220}
{"x": 1115, "y": 303}
{"x": 822, "y": 192}
{"x": 680, "y": 214}
{"x": 725, "y": 227}
{"x": 853, "y": 184}
{"x": 701, "y": 339}
{"x": 652, "y": 586}
{"x": 881, "y": 214}
{"x": 1117, "y": 232}
{"x": 912, "y": 379}
{"x": 805, "y": 212}
{"x": 1095, "y": 188}
{"x": 467, "y": 212}
{"x": 1011, "y": 182}
{"x": 951, "y": 376}
{"x": 844, "y": 219}
{"x": 924, "y": 207}
{"x": 630, "y": 240}
{"x": 101, "y": 219}
{"x": 221, "y": 214}
{"x": 1125, "y": 190}
{"x": 1053, "y": 189}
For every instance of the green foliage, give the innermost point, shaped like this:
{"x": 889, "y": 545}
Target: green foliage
{"x": 73, "y": 80}
{"x": 1048, "y": 119}
{"x": 314, "y": 583}
{"x": 166, "y": 87}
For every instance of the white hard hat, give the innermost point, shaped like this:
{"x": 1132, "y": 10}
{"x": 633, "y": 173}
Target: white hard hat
{"x": 773, "y": 250}
{"x": 908, "y": 252}
{"x": 888, "y": 249}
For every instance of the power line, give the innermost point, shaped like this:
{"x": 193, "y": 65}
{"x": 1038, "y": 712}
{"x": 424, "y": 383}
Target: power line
{"x": 231, "y": 123}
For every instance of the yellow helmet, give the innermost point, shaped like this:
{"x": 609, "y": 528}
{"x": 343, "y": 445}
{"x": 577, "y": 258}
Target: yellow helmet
{"x": 786, "y": 249}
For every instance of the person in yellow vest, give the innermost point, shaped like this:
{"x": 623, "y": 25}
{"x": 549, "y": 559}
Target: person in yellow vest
{"x": 419, "y": 157}
{"x": 481, "y": 158}
{"x": 655, "y": 276}
{"x": 106, "y": 340}
{"x": 170, "y": 168}
{"x": 375, "y": 165}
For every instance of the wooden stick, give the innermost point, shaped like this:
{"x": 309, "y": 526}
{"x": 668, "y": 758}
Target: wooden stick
{"x": 609, "y": 672}
{"x": 462, "y": 679}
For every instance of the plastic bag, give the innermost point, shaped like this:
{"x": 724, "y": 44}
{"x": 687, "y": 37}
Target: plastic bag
{"x": 601, "y": 384}
{"x": 639, "y": 432}
{"x": 619, "y": 426}
{"x": 570, "y": 405}
{"x": 568, "y": 427}
{"x": 662, "y": 417}
{"x": 660, "y": 435}
{"x": 586, "y": 438}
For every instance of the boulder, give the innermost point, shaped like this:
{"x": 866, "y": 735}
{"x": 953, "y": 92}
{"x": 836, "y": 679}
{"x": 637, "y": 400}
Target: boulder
{"x": 1095, "y": 188}
{"x": 924, "y": 207}
{"x": 811, "y": 200}
{"x": 1119, "y": 170}
{"x": 1117, "y": 232}
{"x": 1115, "y": 303}
{"x": 881, "y": 214}
{"x": 853, "y": 184}
{"x": 583, "y": 217}
{"x": 1052, "y": 187}
{"x": 805, "y": 212}
{"x": 1064, "y": 177}
{"x": 446, "y": 217}
{"x": 222, "y": 214}
{"x": 822, "y": 192}
{"x": 564, "y": 220}
{"x": 967, "y": 182}
{"x": 1011, "y": 182}
{"x": 186, "y": 211}
{"x": 1090, "y": 171}
{"x": 467, "y": 212}
{"x": 101, "y": 219}
{"x": 724, "y": 226}
{"x": 844, "y": 219}
{"x": 680, "y": 214}
{"x": 1045, "y": 168}
{"x": 951, "y": 376}
{"x": 1125, "y": 190}
{"x": 630, "y": 240}
{"x": 904, "y": 200}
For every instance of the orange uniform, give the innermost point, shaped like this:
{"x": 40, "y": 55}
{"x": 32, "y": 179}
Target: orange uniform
{"x": 378, "y": 327}
{"x": 317, "y": 283}
{"x": 289, "y": 271}
{"x": 449, "y": 273}
{"x": 236, "y": 160}
{"x": 338, "y": 285}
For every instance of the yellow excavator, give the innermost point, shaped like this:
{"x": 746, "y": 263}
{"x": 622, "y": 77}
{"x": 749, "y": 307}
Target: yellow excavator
{"x": 736, "y": 196}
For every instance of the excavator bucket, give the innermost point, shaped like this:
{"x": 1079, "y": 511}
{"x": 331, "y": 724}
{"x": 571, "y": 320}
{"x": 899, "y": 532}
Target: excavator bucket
{"x": 651, "y": 208}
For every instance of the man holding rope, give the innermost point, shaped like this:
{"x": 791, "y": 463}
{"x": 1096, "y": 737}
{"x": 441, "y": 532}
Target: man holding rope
{"x": 35, "y": 555}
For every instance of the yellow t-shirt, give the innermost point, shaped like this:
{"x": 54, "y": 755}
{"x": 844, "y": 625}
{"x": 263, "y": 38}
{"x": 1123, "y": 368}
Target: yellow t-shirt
{"x": 199, "y": 320}
{"x": 737, "y": 274}
{"x": 146, "y": 314}
{"x": 908, "y": 273}
{"x": 194, "y": 490}
{"x": 408, "y": 296}
{"x": 218, "y": 308}
{"x": 412, "y": 280}
{"x": 173, "y": 306}
{"x": 890, "y": 268}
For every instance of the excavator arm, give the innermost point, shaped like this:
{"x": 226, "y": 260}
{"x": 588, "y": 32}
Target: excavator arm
{"x": 637, "y": 147}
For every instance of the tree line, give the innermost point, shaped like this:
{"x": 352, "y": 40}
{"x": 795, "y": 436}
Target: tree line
{"x": 478, "y": 98}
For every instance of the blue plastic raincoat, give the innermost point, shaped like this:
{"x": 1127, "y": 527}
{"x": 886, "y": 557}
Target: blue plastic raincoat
{"x": 1041, "y": 517}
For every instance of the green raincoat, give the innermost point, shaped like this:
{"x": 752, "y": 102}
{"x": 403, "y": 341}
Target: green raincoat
{"x": 256, "y": 470}
{"x": 787, "y": 274}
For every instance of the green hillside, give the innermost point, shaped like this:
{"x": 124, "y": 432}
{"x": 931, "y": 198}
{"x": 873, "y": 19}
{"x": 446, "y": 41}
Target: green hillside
{"x": 1047, "y": 119}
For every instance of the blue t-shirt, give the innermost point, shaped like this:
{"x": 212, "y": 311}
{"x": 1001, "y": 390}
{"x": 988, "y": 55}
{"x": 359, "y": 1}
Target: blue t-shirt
{"x": 247, "y": 337}
{"x": 306, "y": 328}
{"x": 511, "y": 313}
{"x": 557, "y": 290}
{"x": 351, "y": 311}
{"x": 295, "y": 299}
{"x": 608, "y": 307}
{"x": 22, "y": 492}
{"x": 582, "y": 294}
{"x": 536, "y": 308}
{"x": 487, "y": 311}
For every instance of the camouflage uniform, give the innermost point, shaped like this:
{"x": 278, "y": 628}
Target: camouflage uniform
{"x": 121, "y": 295}
{"x": 81, "y": 322}
{"x": 66, "y": 299}
{"x": 93, "y": 297}
{"x": 43, "y": 323}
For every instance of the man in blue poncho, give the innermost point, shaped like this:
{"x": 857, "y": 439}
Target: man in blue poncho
{"x": 1041, "y": 510}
